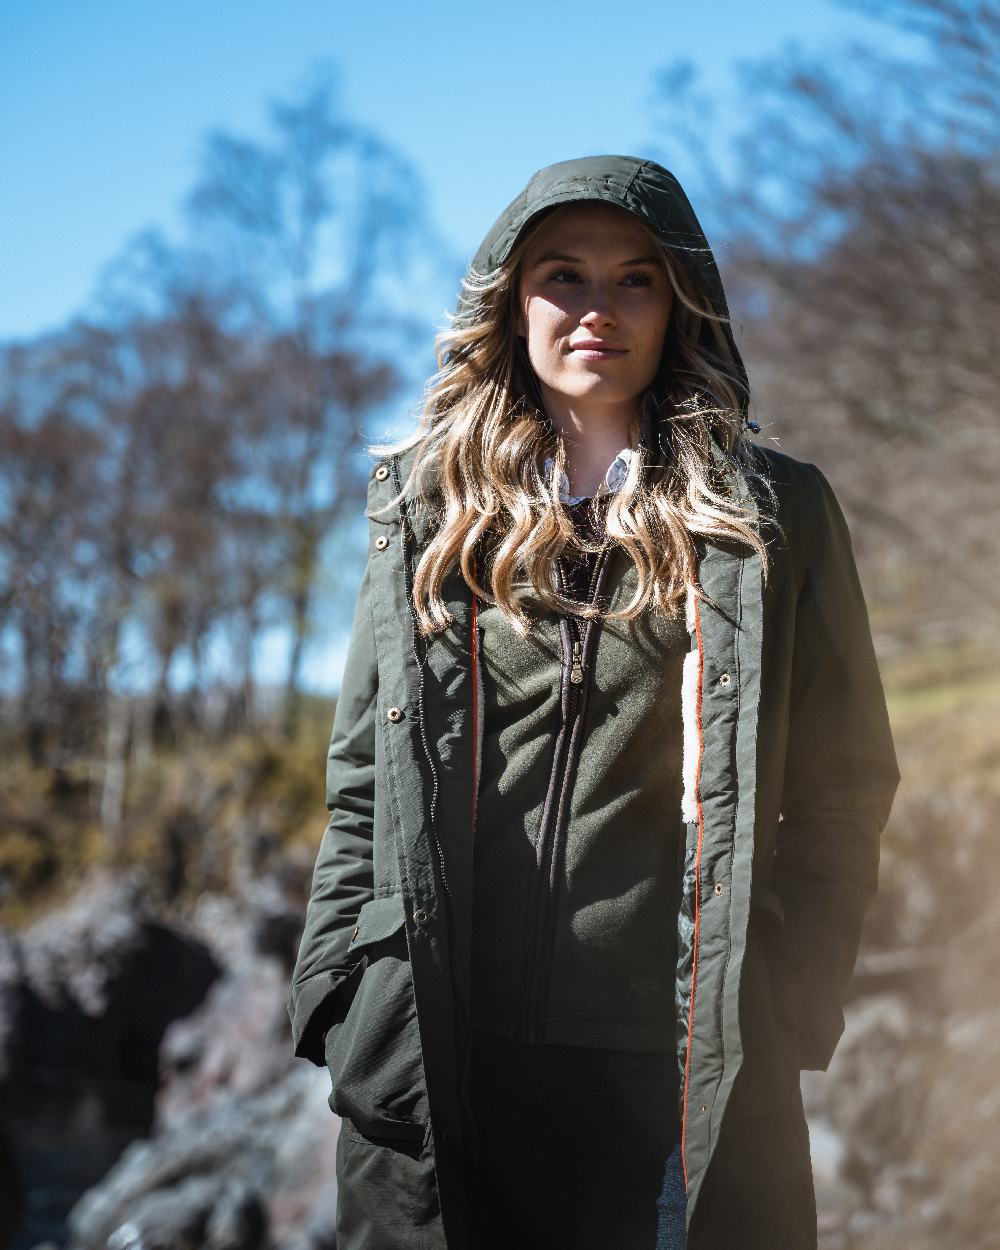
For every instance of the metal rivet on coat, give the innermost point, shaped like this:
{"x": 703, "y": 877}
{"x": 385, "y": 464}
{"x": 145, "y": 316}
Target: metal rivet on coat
{"x": 382, "y": 472}
{"x": 719, "y": 887}
{"x": 419, "y": 916}
{"x": 381, "y": 543}
{"x": 394, "y": 714}
{"x": 703, "y": 1107}
{"x": 725, "y": 679}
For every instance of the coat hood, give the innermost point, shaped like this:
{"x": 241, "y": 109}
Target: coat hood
{"x": 641, "y": 187}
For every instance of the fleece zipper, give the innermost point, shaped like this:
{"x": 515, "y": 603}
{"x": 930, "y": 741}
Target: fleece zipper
{"x": 577, "y": 638}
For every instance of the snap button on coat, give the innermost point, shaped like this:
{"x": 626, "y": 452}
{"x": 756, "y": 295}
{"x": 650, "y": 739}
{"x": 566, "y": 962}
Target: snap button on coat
{"x": 394, "y": 714}
{"x": 381, "y": 473}
{"x": 381, "y": 543}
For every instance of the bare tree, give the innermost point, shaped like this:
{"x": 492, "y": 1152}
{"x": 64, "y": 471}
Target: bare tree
{"x": 176, "y": 464}
{"x": 304, "y": 228}
{"x": 860, "y": 208}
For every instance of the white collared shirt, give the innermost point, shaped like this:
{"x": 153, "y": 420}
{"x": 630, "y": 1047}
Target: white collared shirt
{"x": 616, "y": 474}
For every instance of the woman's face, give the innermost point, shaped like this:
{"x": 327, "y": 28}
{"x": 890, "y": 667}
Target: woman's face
{"x": 593, "y": 305}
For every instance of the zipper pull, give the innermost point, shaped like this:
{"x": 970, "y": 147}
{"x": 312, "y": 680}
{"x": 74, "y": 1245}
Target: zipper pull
{"x": 576, "y": 672}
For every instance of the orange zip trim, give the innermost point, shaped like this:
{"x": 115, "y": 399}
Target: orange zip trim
{"x": 697, "y": 895}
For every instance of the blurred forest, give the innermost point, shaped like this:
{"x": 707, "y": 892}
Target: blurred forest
{"x": 182, "y": 473}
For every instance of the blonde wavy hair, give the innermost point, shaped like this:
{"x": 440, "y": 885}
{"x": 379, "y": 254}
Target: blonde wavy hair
{"x": 483, "y": 435}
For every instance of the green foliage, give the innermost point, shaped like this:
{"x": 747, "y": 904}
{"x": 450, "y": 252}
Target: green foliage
{"x": 203, "y": 815}
{"x": 49, "y": 837}
{"x": 939, "y": 868}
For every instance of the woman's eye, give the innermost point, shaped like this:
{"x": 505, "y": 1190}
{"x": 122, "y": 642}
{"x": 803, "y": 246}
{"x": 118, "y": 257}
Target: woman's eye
{"x": 563, "y": 276}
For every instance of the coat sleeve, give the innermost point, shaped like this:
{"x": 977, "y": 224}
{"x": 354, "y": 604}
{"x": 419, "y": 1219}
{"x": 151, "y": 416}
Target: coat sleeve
{"x": 342, "y": 877}
{"x": 840, "y": 778}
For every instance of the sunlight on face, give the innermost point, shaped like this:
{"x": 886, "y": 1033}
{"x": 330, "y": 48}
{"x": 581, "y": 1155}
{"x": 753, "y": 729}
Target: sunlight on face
{"x": 593, "y": 305}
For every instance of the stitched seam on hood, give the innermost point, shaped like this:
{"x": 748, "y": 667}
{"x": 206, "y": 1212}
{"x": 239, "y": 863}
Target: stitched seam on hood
{"x": 642, "y": 165}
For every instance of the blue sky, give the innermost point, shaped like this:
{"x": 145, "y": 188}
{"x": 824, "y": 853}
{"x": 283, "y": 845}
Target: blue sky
{"x": 103, "y": 106}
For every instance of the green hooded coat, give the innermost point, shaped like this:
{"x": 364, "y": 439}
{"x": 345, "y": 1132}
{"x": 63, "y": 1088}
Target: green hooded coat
{"x": 793, "y": 777}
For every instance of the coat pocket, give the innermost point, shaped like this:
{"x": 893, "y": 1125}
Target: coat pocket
{"x": 373, "y": 1045}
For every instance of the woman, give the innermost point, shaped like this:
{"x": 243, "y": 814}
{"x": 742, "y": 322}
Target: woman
{"x": 607, "y": 774}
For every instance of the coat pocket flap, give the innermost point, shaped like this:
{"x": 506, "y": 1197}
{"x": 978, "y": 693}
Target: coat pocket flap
{"x": 378, "y": 919}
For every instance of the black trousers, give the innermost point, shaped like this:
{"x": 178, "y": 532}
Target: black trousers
{"x": 579, "y": 1148}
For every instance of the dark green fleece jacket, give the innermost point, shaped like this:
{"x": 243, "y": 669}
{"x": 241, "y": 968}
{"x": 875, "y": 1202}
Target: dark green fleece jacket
{"x": 579, "y": 840}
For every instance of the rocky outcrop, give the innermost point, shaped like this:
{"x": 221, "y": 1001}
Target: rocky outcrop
{"x": 247, "y": 1172}
{"x": 862, "y": 1124}
{"x": 90, "y": 989}
{"x": 86, "y": 995}
{"x": 149, "y": 1076}
{"x": 152, "y": 1102}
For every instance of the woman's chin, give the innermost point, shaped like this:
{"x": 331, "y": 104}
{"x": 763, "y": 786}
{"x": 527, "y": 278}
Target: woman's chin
{"x": 595, "y": 387}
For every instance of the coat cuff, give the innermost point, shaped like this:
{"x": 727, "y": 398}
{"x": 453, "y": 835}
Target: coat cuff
{"x": 816, "y": 1024}
{"x": 309, "y": 1011}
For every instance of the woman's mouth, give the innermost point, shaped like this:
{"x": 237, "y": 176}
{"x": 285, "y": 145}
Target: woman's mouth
{"x": 596, "y": 350}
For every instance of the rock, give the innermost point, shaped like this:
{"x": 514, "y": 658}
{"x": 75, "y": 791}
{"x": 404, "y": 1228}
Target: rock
{"x": 238, "y": 1220}
{"x": 12, "y": 1195}
{"x": 238, "y": 1043}
{"x": 175, "y": 1112}
{"x": 91, "y": 988}
{"x": 864, "y": 1112}
{"x": 199, "y": 1214}
{"x": 86, "y": 994}
{"x": 244, "y": 1167}
{"x": 171, "y": 1219}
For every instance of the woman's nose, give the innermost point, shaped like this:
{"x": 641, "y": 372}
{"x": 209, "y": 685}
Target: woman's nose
{"x": 601, "y": 310}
